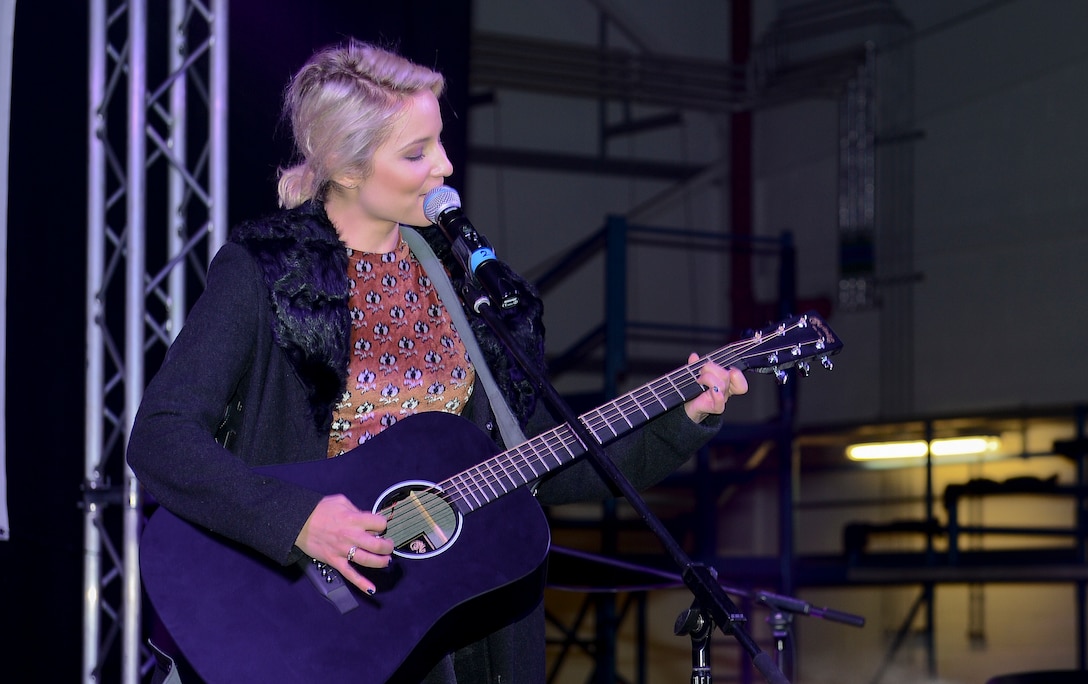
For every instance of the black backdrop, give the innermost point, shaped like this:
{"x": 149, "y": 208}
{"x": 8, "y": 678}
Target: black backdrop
{"x": 41, "y": 565}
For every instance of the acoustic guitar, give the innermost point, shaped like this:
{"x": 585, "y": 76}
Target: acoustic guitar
{"x": 471, "y": 543}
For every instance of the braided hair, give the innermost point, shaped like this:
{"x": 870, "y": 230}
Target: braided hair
{"x": 341, "y": 105}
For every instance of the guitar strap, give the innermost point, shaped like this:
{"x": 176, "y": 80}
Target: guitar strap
{"x": 166, "y": 670}
{"x": 504, "y": 417}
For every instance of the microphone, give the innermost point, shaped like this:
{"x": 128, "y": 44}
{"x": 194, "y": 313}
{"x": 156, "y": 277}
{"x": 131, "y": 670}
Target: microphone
{"x": 442, "y": 206}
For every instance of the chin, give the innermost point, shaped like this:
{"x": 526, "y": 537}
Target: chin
{"x": 416, "y": 219}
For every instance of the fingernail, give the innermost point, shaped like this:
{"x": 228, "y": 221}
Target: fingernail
{"x": 370, "y": 591}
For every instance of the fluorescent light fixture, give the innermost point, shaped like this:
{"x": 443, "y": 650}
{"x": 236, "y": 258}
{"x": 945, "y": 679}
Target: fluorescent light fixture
{"x": 882, "y": 450}
{"x": 939, "y": 448}
{"x": 964, "y": 446}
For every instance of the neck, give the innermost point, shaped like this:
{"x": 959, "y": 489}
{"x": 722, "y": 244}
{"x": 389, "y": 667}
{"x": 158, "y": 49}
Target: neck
{"x": 360, "y": 232}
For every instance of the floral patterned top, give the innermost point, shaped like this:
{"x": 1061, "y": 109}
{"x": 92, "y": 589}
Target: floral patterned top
{"x": 406, "y": 356}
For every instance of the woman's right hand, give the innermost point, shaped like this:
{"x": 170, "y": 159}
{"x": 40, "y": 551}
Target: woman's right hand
{"x": 336, "y": 529}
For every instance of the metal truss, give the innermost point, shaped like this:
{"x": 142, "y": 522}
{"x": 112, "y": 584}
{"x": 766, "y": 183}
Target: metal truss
{"x": 156, "y": 213}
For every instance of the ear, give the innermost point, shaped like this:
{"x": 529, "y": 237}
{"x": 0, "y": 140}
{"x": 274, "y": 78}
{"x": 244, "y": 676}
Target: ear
{"x": 347, "y": 181}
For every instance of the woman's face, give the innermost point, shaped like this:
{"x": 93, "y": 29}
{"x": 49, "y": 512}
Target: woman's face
{"x": 409, "y": 164}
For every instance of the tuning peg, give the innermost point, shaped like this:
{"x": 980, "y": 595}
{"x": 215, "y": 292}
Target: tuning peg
{"x": 826, "y": 363}
{"x": 781, "y": 376}
{"x": 804, "y": 368}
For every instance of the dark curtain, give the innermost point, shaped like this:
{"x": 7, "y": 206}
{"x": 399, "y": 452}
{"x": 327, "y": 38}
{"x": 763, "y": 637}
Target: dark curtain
{"x": 41, "y": 572}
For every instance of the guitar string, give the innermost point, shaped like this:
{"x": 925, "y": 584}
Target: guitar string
{"x": 493, "y": 474}
{"x": 459, "y": 488}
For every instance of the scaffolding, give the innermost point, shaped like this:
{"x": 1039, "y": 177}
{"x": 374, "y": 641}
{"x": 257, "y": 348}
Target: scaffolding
{"x": 143, "y": 108}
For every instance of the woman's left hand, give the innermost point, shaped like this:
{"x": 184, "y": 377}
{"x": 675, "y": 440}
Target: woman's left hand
{"x": 720, "y": 383}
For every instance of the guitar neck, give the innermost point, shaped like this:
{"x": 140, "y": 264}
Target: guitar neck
{"x": 770, "y": 350}
{"x": 525, "y": 463}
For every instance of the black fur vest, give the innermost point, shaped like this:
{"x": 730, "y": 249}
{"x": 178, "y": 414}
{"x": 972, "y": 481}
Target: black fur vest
{"x": 305, "y": 267}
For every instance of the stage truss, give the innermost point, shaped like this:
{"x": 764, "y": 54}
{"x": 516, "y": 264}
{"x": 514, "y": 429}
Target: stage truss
{"x": 156, "y": 213}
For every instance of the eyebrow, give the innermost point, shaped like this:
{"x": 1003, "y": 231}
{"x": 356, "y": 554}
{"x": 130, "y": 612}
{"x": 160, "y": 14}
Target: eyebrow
{"x": 419, "y": 141}
{"x": 422, "y": 140}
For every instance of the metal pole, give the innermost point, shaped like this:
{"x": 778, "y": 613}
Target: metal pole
{"x": 116, "y": 369}
{"x": 7, "y": 55}
{"x": 94, "y": 390}
{"x": 135, "y": 307}
{"x": 217, "y": 112}
{"x": 175, "y": 218}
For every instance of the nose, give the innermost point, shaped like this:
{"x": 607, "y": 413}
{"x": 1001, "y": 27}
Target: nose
{"x": 443, "y": 167}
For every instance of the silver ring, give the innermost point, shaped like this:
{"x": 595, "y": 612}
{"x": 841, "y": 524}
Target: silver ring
{"x": 716, "y": 390}
{"x": 351, "y": 553}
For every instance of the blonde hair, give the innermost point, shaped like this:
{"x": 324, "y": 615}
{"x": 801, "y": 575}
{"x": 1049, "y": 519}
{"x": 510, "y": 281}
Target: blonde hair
{"x": 341, "y": 105}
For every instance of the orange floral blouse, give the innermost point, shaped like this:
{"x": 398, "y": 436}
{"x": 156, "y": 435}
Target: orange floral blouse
{"x": 406, "y": 356}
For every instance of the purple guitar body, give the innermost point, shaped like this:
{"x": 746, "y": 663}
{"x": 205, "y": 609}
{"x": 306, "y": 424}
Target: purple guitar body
{"x": 238, "y": 616}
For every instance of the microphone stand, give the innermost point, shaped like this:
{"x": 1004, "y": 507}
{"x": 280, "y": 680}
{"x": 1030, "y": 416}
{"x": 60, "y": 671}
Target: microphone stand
{"x": 710, "y": 598}
{"x": 783, "y": 608}
{"x": 698, "y": 625}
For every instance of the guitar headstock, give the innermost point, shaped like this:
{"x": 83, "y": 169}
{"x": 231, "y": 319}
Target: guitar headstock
{"x": 792, "y": 342}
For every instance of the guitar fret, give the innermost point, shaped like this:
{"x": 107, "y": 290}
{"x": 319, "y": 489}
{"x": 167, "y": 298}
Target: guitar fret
{"x": 570, "y": 443}
{"x": 624, "y": 413}
{"x": 489, "y": 482}
{"x": 608, "y": 424}
{"x": 665, "y": 390}
{"x": 471, "y": 489}
{"x": 505, "y": 481}
{"x": 609, "y": 419}
{"x": 640, "y": 404}
{"x": 677, "y": 389}
{"x": 593, "y": 421}
{"x": 498, "y": 478}
{"x": 536, "y": 460}
{"x": 512, "y": 471}
{"x": 501, "y": 472}
{"x": 464, "y": 489}
{"x": 523, "y": 464}
{"x": 550, "y": 451}
{"x": 531, "y": 458}
{"x": 659, "y": 407}
{"x": 572, "y": 440}
{"x": 516, "y": 463}
{"x": 528, "y": 474}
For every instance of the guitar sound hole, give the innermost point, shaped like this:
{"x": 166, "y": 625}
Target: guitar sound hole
{"x": 421, "y": 523}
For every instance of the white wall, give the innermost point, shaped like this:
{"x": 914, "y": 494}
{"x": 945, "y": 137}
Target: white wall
{"x": 1001, "y": 209}
{"x": 997, "y": 201}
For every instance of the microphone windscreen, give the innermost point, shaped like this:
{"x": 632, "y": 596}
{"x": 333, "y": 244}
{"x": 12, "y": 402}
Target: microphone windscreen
{"x": 439, "y": 200}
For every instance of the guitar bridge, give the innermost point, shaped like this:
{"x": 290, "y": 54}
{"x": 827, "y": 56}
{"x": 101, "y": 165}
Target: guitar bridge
{"x": 330, "y": 584}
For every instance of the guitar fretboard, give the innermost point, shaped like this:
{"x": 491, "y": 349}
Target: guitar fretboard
{"x": 517, "y": 467}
